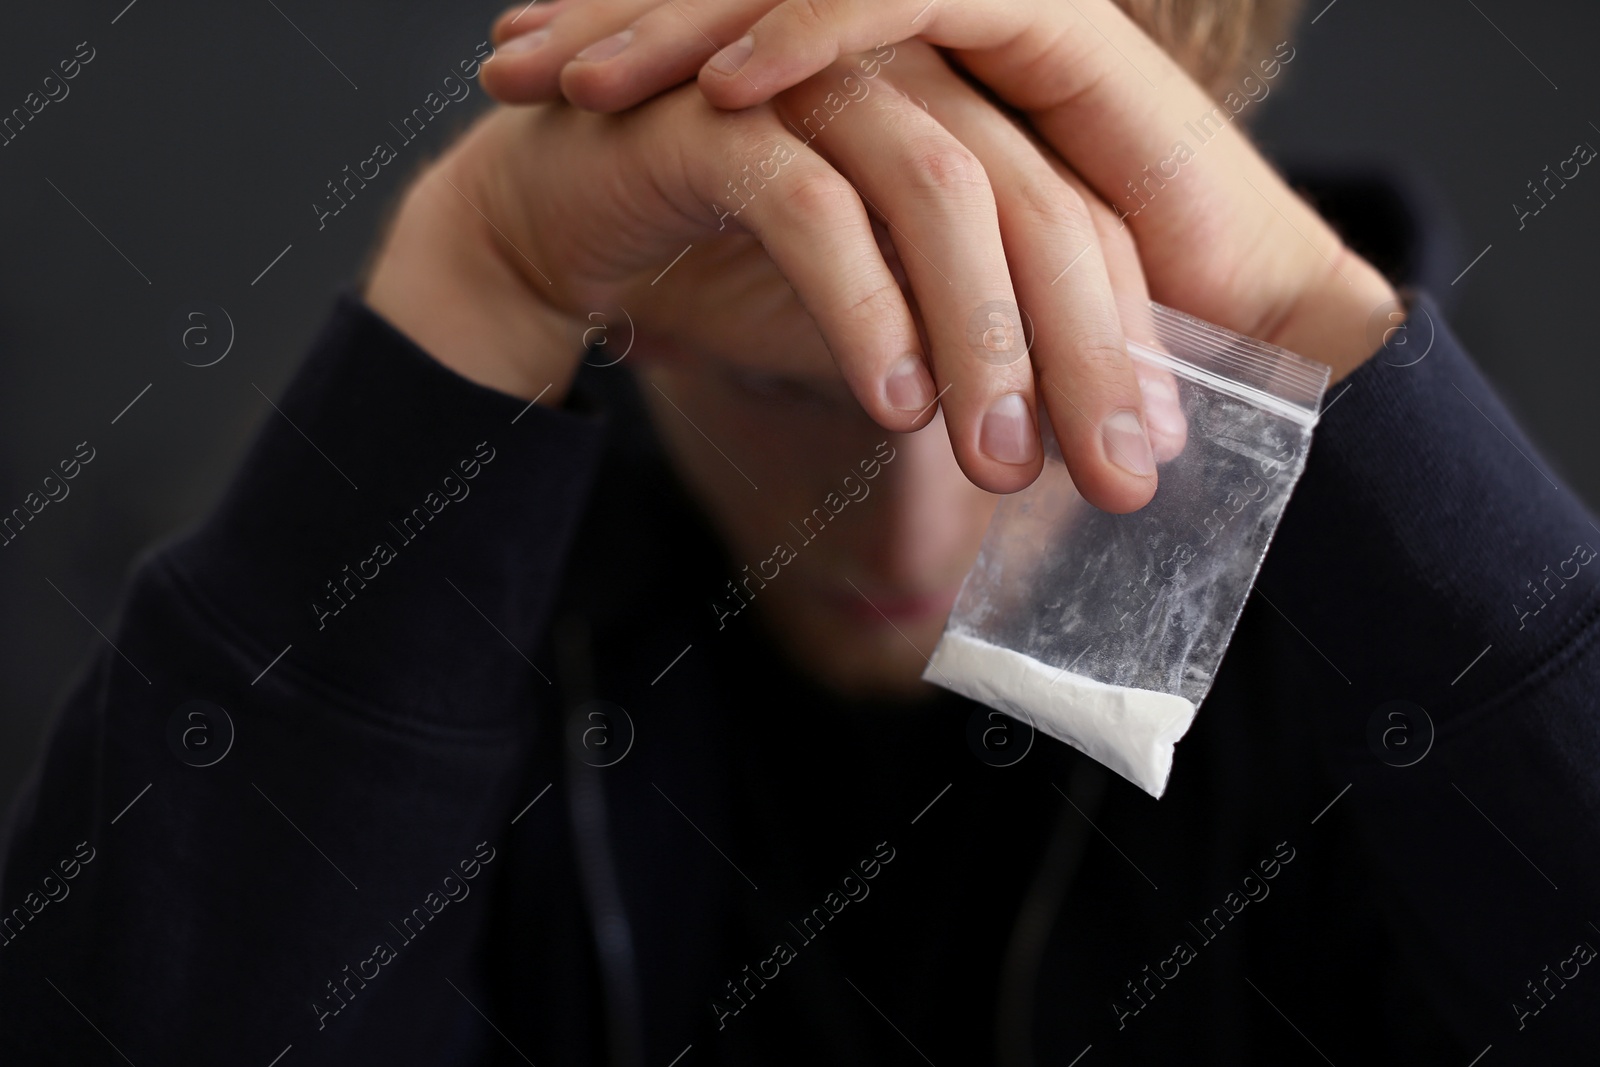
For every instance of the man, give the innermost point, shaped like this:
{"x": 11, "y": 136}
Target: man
{"x": 524, "y": 767}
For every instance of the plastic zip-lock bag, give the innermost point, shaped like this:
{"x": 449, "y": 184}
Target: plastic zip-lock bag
{"x": 1105, "y": 631}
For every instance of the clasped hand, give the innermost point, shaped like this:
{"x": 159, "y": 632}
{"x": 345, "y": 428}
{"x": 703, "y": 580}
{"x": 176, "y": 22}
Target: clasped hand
{"x": 833, "y": 188}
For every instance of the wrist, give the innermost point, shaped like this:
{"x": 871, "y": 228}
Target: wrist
{"x": 1332, "y": 322}
{"x": 440, "y": 279}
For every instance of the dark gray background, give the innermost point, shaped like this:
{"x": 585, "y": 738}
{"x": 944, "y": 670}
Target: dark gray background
{"x": 201, "y": 133}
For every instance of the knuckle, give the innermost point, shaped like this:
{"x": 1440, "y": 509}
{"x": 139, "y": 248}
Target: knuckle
{"x": 946, "y": 167}
{"x": 749, "y": 140}
{"x": 1056, "y": 205}
{"x": 877, "y": 304}
{"x": 817, "y": 193}
{"x": 1100, "y": 359}
{"x": 661, "y": 24}
{"x": 746, "y": 140}
{"x": 810, "y": 18}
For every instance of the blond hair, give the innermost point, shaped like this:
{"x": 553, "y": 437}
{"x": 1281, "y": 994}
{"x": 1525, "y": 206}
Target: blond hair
{"x": 1215, "y": 40}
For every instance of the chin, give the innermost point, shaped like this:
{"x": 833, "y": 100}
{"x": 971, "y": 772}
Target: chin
{"x": 856, "y": 657}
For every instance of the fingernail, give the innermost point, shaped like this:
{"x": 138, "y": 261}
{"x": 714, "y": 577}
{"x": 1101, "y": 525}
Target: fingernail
{"x": 606, "y": 47}
{"x": 908, "y": 387}
{"x": 1127, "y": 445}
{"x": 1007, "y": 434}
{"x": 1162, "y": 410}
{"x": 731, "y": 58}
{"x": 528, "y": 42}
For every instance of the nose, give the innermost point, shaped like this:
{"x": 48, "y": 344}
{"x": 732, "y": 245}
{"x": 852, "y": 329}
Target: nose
{"x": 929, "y": 520}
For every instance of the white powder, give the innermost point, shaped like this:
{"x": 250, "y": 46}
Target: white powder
{"x": 1131, "y": 731}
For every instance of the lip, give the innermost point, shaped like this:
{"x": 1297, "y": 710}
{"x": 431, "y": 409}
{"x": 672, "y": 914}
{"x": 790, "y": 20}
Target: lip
{"x": 873, "y": 606}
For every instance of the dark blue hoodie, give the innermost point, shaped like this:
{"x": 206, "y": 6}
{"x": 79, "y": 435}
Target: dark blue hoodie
{"x": 477, "y": 779}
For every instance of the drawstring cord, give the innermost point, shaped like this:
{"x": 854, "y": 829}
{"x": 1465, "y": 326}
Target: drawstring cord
{"x": 1018, "y": 992}
{"x": 613, "y": 935}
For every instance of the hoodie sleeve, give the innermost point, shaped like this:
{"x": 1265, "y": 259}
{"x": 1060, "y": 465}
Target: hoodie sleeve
{"x": 1432, "y": 556}
{"x": 294, "y": 751}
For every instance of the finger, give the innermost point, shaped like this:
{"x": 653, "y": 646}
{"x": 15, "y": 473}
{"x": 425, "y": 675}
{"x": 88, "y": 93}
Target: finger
{"x": 519, "y": 19}
{"x": 1053, "y": 250}
{"x": 1168, "y": 158}
{"x": 533, "y": 44}
{"x": 799, "y": 38}
{"x": 1114, "y": 106}
{"x": 754, "y": 174}
{"x": 1164, "y": 419}
{"x": 937, "y": 203}
{"x": 666, "y": 46}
